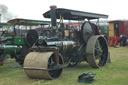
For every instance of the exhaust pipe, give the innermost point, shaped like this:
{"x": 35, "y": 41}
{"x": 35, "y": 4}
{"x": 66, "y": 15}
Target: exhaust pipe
{"x": 53, "y": 15}
{"x": 53, "y": 19}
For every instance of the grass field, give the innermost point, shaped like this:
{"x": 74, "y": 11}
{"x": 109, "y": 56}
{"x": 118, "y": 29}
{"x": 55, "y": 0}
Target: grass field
{"x": 115, "y": 73}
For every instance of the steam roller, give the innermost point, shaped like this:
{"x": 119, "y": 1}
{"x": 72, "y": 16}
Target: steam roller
{"x": 43, "y": 65}
{"x": 61, "y": 47}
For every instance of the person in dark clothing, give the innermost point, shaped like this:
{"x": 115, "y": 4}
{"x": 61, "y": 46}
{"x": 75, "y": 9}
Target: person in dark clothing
{"x": 124, "y": 39}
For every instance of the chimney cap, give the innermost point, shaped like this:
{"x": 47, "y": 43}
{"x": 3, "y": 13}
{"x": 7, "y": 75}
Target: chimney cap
{"x": 53, "y": 6}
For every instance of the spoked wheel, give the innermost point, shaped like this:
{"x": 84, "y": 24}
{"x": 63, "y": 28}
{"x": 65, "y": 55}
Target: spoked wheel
{"x": 97, "y": 51}
{"x": 43, "y": 65}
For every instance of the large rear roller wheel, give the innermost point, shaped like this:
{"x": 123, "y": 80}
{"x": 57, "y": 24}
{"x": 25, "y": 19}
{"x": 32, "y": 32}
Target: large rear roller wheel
{"x": 97, "y": 51}
{"x": 43, "y": 65}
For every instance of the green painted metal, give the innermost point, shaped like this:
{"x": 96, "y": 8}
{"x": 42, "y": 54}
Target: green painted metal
{"x": 10, "y": 37}
{"x": 37, "y": 22}
{"x": 28, "y": 22}
{"x": 8, "y": 49}
{"x": 105, "y": 29}
{"x": 18, "y": 40}
{"x": 6, "y": 24}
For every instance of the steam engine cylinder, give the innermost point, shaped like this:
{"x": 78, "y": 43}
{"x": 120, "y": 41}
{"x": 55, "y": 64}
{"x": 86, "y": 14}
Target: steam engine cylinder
{"x": 63, "y": 45}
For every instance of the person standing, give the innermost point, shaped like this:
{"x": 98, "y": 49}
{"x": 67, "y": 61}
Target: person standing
{"x": 124, "y": 39}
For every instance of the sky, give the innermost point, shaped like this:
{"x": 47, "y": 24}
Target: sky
{"x": 33, "y": 9}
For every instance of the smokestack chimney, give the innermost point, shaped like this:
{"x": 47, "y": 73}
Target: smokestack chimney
{"x": 53, "y": 19}
{"x": 53, "y": 15}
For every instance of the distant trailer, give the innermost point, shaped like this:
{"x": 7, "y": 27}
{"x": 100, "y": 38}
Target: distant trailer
{"x": 116, "y": 29}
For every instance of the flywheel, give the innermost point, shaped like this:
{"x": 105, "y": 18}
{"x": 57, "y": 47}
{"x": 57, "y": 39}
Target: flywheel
{"x": 43, "y": 65}
{"x": 97, "y": 51}
{"x": 31, "y": 37}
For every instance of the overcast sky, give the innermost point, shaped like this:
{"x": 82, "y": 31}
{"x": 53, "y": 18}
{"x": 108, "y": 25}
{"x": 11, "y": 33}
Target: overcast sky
{"x": 33, "y": 9}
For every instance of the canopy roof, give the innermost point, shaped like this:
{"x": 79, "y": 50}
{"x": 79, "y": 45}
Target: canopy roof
{"x": 5, "y": 24}
{"x": 116, "y": 21}
{"x": 28, "y": 22}
{"x": 74, "y": 15}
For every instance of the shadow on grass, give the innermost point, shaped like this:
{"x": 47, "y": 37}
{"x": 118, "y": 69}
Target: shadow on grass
{"x": 82, "y": 66}
{"x": 8, "y": 68}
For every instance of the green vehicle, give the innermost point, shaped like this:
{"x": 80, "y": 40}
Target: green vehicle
{"x": 3, "y": 36}
{"x": 5, "y": 28}
{"x": 105, "y": 29}
{"x": 19, "y": 37}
